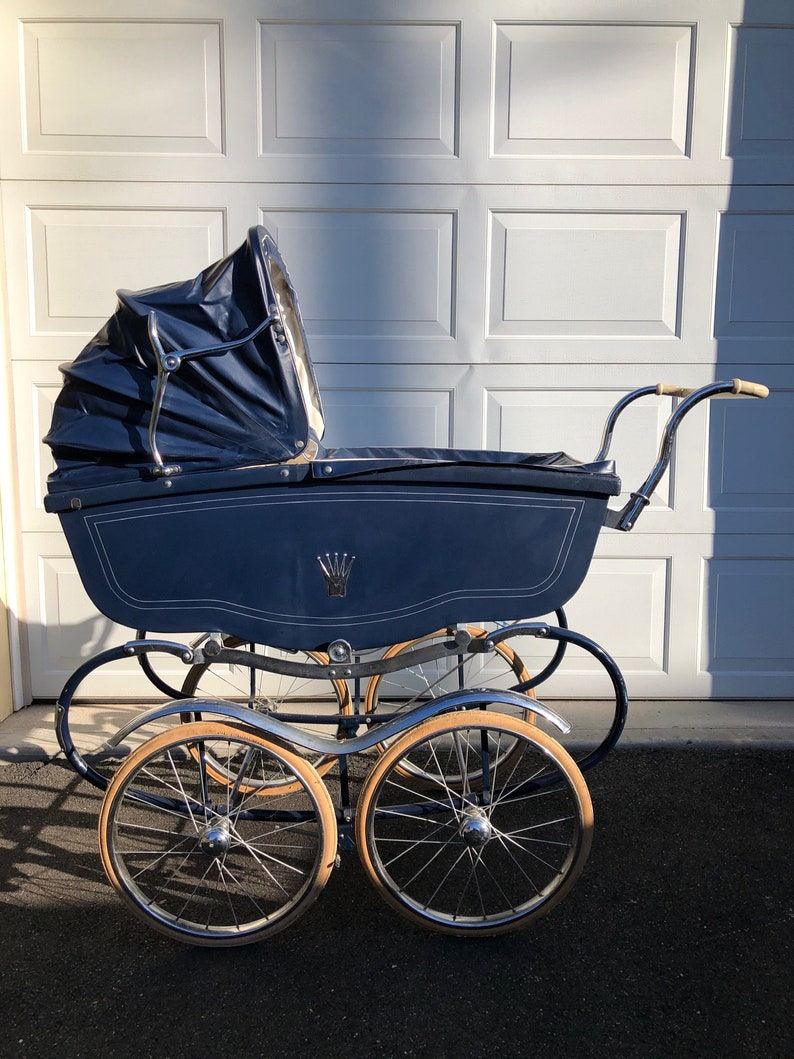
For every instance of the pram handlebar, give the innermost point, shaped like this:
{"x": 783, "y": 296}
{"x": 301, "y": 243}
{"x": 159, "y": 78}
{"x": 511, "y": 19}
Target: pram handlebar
{"x": 626, "y": 518}
{"x": 612, "y": 418}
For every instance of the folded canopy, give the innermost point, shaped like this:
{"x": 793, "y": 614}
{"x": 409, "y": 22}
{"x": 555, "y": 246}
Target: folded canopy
{"x": 232, "y": 399}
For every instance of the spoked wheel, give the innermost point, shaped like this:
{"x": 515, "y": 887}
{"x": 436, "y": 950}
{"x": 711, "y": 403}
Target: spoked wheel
{"x": 200, "y": 859}
{"x": 268, "y": 692}
{"x": 391, "y": 693}
{"x": 495, "y": 840}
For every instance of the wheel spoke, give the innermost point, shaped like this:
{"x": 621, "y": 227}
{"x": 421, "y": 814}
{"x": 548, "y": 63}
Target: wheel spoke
{"x": 265, "y": 868}
{"x": 490, "y": 860}
{"x": 152, "y": 864}
{"x": 215, "y": 872}
{"x": 415, "y": 844}
{"x": 267, "y": 692}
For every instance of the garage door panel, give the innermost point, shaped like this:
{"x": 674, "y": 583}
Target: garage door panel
{"x": 755, "y": 275}
{"x": 747, "y": 613}
{"x": 680, "y": 625}
{"x": 72, "y": 630}
{"x": 36, "y": 386}
{"x": 592, "y": 90}
{"x": 624, "y": 604}
{"x": 74, "y": 245}
{"x": 79, "y": 257}
{"x": 762, "y": 58}
{"x": 63, "y": 630}
{"x": 749, "y": 464}
{"x": 594, "y": 274}
{"x": 589, "y": 274}
{"x": 407, "y": 87}
{"x": 365, "y": 88}
{"x": 98, "y": 86}
{"x": 371, "y": 274}
{"x": 360, "y": 417}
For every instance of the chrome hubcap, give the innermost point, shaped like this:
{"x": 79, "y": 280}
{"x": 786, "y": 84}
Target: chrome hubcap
{"x": 215, "y": 839}
{"x": 475, "y": 828}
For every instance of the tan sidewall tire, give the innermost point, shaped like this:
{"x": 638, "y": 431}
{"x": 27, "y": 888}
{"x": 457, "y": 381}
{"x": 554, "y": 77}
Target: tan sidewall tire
{"x": 475, "y": 718}
{"x": 326, "y": 819}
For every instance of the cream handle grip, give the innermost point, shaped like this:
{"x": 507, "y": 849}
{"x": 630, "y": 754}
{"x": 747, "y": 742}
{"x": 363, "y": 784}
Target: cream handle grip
{"x": 750, "y": 389}
{"x": 745, "y": 389}
{"x": 674, "y": 391}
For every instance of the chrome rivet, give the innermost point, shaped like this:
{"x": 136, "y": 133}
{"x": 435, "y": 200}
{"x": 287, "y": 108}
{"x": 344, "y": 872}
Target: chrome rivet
{"x": 328, "y": 469}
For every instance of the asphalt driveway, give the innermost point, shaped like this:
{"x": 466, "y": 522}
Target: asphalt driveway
{"x": 676, "y": 941}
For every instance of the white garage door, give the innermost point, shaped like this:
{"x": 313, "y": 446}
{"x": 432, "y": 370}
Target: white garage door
{"x": 498, "y": 217}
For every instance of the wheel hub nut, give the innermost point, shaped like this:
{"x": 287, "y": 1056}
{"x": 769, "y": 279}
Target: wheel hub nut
{"x": 475, "y": 828}
{"x": 215, "y": 839}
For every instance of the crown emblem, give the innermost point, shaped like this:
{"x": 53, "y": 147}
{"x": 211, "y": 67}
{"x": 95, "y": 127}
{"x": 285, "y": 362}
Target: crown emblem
{"x": 336, "y": 571}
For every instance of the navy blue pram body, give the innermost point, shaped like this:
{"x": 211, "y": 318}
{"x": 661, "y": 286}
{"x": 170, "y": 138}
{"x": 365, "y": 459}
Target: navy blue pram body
{"x": 251, "y": 528}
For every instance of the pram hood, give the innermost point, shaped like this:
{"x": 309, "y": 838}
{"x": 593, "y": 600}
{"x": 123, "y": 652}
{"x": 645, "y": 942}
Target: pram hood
{"x": 255, "y": 403}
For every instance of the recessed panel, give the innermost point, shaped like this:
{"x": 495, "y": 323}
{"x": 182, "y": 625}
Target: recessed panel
{"x": 36, "y": 387}
{"x": 596, "y": 275}
{"x": 360, "y": 418}
{"x": 624, "y": 604}
{"x": 72, "y": 629}
{"x": 64, "y": 629}
{"x": 379, "y": 88}
{"x": 548, "y": 420}
{"x": 604, "y": 90}
{"x": 368, "y": 274}
{"x": 760, "y": 121}
{"x": 751, "y": 444}
{"x": 78, "y": 258}
{"x": 123, "y": 87}
{"x": 747, "y": 616}
{"x": 755, "y": 276}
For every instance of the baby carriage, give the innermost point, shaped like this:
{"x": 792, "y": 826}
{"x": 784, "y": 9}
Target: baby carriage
{"x": 194, "y": 494}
